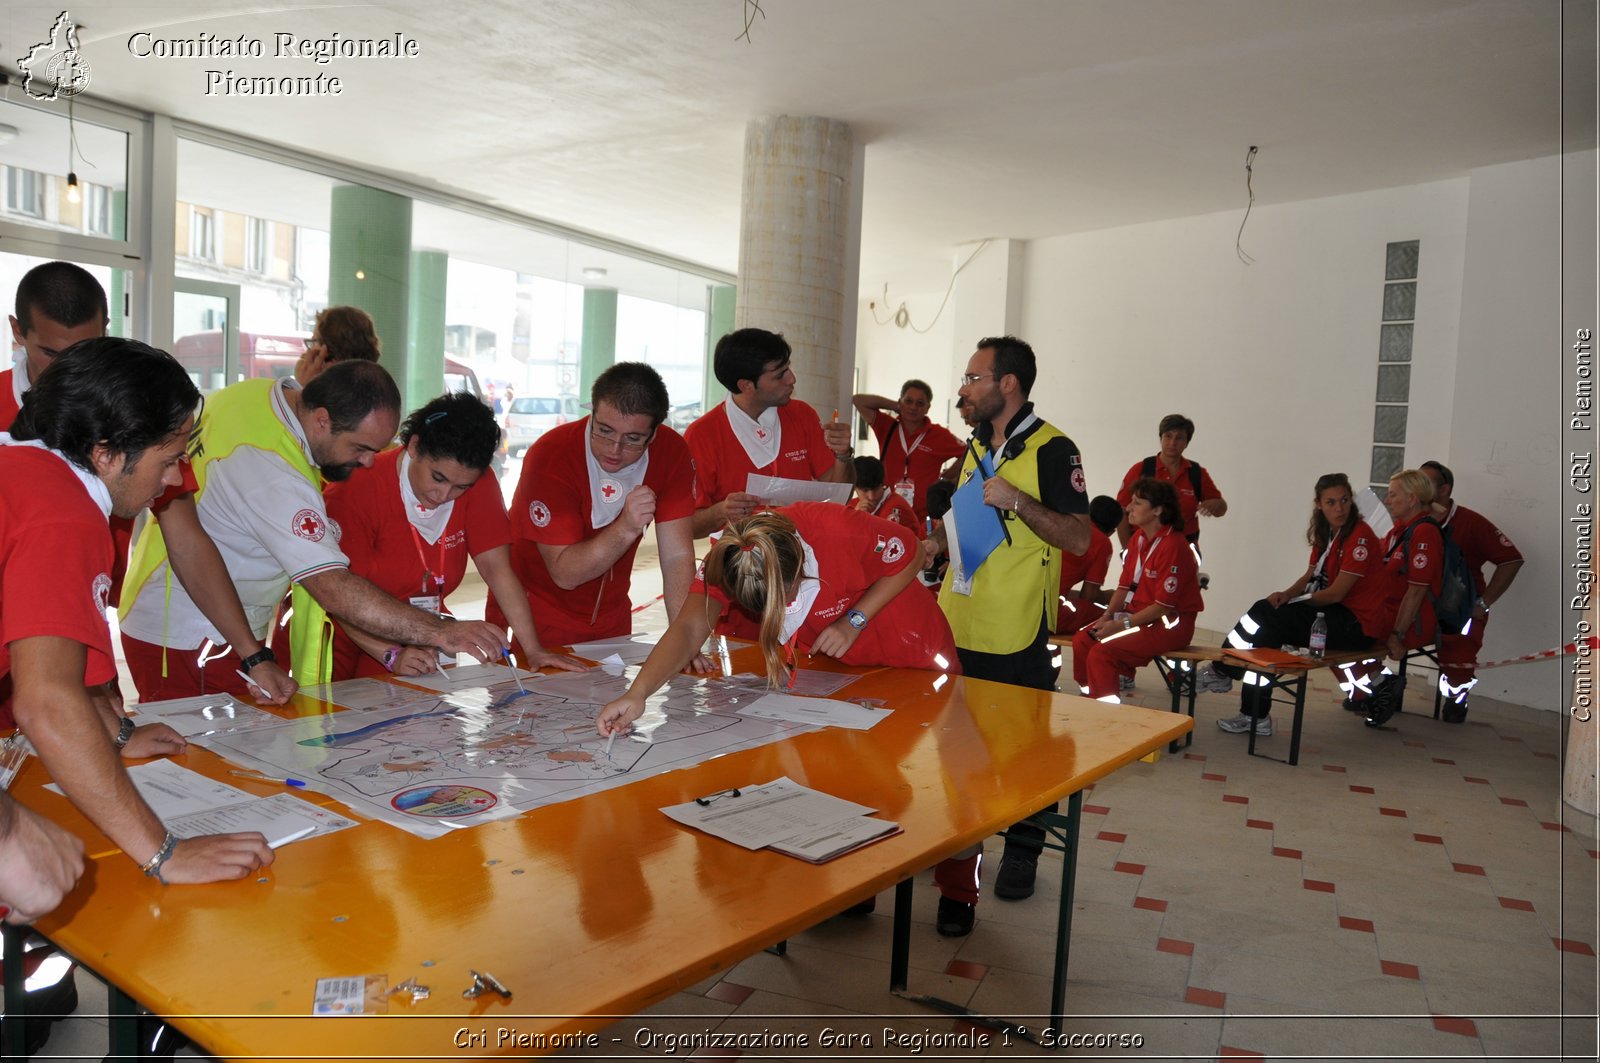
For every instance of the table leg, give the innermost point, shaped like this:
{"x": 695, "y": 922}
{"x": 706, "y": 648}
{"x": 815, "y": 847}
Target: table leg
{"x": 14, "y": 1036}
{"x": 124, "y": 1022}
{"x": 1069, "y": 877}
{"x": 1299, "y": 718}
{"x": 900, "y": 949}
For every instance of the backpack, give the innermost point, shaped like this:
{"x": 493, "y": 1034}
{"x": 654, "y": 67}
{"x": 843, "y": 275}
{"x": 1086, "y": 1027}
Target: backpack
{"x": 1148, "y": 469}
{"x": 1458, "y": 593}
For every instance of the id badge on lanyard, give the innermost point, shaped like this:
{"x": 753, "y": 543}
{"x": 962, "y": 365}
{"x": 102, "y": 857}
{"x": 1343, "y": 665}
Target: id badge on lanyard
{"x": 907, "y": 490}
{"x": 13, "y": 754}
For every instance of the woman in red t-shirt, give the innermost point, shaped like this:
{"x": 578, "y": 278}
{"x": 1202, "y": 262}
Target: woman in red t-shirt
{"x": 817, "y": 578}
{"x": 1341, "y": 582}
{"x": 1157, "y": 598}
{"x": 409, "y": 523}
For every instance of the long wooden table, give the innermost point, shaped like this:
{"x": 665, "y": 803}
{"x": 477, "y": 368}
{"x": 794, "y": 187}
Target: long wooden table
{"x": 596, "y": 907}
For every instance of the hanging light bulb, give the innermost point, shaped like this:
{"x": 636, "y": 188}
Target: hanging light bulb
{"x": 73, "y": 195}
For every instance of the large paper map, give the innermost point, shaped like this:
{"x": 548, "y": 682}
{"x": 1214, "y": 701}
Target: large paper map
{"x": 432, "y": 762}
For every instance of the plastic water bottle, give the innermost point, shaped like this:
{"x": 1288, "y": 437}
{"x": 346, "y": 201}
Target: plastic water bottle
{"x": 1319, "y": 637}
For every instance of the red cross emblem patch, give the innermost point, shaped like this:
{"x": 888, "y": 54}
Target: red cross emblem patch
{"x": 610, "y": 490}
{"x": 309, "y": 525}
{"x": 539, "y": 513}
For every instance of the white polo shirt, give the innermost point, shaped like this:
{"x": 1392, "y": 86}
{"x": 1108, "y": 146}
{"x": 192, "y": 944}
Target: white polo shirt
{"x": 272, "y": 529}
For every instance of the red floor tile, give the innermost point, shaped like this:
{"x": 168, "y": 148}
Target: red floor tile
{"x": 1556, "y": 826}
{"x": 1206, "y": 998}
{"x": 1150, "y": 904}
{"x": 1316, "y": 885}
{"x": 1519, "y": 905}
{"x": 1127, "y": 868}
{"x": 1474, "y": 778}
{"x": 972, "y": 1030}
{"x": 1469, "y": 869}
{"x": 1096, "y": 810}
{"x": 1451, "y": 1024}
{"x": 1350, "y": 923}
{"x": 1510, "y": 738}
{"x": 1174, "y": 946}
{"x": 1242, "y": 1053}
{"x": 967, "y": 969}
{"x": 1362, "y": 790}
{"x": 1400, "y": 812}
{"x": 1516, "y": 802}
{"x": 1568, "y": 945}
{"x": 1259, "y": 824}
{"x": 1546, "y": 756}
{"x": 1111, "y": 836}
{"x": 1595, "y": 853}
{"x": 1211, "y": 776}
{"x": 1237, "y": 799}
{"x": 1292, "y": 854}
{"x": 729, "y": 992}
{"x": 1194, "y": 756}
{"x": 1333, "y": 767}
{"x": 1442, "y": 760}
{"x": 1401, "y": 970}
{"x": 1414, "y": 745}
{"x": 1429, "y": 839}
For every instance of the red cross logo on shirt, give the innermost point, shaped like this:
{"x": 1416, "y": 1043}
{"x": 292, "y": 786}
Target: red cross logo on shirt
{"x": 608, "y": 490}
{"x": 761, "y": 433}
{"x": 309, "y": 524}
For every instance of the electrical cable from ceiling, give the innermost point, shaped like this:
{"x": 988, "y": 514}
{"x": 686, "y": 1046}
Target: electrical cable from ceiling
{"x": 1250, "y": 192}
{"x": 901, "y": 318}
{"x": 752, "y": 8}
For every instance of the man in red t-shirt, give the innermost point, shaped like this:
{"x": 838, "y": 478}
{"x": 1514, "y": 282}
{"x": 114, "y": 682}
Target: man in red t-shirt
{"x": 760, "y": 428}
{"x": 588, "y": 491}
{"x": 59, "y": 304}
{"x": 914, "y": 449}
{"x": 59, "y": 482}
{"x": 1083, "y": 575}
{"x": 1197, "y": 495}
{"x": 1481, "y": 544}
{"x": 874, "y": 497}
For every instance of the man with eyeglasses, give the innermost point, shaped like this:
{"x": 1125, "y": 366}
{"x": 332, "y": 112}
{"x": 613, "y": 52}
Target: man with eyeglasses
{"x": 761, "y": 428}
{"x": 589, "y": 490}
{"x": 1002, "y": 614}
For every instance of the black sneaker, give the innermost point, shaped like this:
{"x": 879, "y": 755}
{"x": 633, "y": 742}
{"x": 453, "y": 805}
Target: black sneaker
{"x": 955, "y": 918}
{"x": 1385, "y": 700}
{"x": 1455, "y": 713}
{"x": 1015, "y": 880}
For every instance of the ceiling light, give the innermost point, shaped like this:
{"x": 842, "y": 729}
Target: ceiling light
{"x": 8, "y": 133}
{"x": 73, "y": 195}
{"x": 594, "y": 273}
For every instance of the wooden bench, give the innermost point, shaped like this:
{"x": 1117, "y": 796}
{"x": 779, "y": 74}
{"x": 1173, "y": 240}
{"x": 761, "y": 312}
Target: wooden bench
{"x": 1065, "y": 642}
{"x": 1179, "y": 668}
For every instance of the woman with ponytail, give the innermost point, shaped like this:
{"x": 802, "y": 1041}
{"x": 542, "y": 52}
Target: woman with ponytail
{"x": 815, "y": 578}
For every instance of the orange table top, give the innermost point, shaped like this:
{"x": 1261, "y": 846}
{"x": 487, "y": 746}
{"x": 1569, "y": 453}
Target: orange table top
{"x": 594, "y": 907}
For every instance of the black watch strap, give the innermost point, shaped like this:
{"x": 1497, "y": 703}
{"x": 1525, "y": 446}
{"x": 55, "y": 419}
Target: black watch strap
{"x": 263, "y": 654}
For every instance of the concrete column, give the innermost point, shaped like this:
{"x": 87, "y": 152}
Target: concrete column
{"x": 599, "y": 350}
{"x": 800, "y": 246}
{"x": 369, "y": 265}
{"x": 719, "y": 322}
{"x": 117, "y": 297}
{"x": 425, "y": 322}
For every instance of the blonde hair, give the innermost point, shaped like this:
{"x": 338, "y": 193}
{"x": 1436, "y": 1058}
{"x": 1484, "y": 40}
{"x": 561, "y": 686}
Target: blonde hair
{"x": 755, "y": 563}
{"x": 1414, "y": 482}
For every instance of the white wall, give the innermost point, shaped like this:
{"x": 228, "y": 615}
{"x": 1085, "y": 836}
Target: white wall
{"x": 888, "y": 355}
{"x": 1277, "y": 364}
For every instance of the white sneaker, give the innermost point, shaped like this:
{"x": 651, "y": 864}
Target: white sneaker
{"x": 1211, "y": 681}
{"x": 1124, "y": 683}
{"x": 1240, "y": 724}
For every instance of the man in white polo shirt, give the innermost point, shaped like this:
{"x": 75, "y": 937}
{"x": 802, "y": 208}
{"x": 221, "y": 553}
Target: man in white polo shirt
{"x": 266, "y": 449}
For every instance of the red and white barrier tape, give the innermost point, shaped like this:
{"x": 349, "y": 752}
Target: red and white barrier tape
{"x": 1592, "y": 642}
{"x": 646, "y": 605}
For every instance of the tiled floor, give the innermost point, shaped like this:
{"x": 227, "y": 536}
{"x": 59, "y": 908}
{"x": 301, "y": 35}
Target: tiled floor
{"x": 1414, "y": 892}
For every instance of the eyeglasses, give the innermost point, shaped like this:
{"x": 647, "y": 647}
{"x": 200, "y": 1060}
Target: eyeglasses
{"x": 973, "y": 378}
{"x": 606, "y": 435}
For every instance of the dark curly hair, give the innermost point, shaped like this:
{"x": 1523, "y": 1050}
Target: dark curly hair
{"x": 458, "y": 427}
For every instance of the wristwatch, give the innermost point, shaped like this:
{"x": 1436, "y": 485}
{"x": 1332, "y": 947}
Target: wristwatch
{"x": 263, "y": 654}
{"x": 857, "y": 618}
{"x": 124, "y": 732}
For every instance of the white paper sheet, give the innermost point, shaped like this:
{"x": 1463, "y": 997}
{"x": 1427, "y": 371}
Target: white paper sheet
{"x": 466, "y": 675}
{"x": 203, "y": 715}
{"x": 632, "y": 650}
{"x": 760, "y": 816}
{"x": 820, "y": 712}
{"x": 781, "y": 491}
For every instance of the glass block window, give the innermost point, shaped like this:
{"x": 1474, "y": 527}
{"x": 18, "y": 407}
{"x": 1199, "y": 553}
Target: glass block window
{"x": 1396, "y": 331}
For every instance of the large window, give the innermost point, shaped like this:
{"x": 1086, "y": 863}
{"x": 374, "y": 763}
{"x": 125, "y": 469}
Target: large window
{"x": 41, "y": 147}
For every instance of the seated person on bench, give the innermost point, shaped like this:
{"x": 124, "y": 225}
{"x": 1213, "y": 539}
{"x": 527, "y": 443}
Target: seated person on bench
{"x": 1343, "y": 551}
{"x": 1157, "y": 598}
